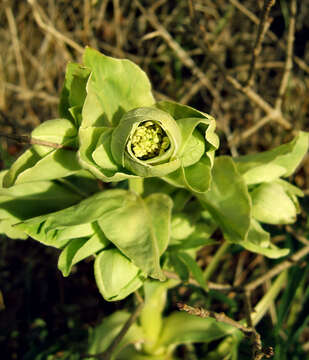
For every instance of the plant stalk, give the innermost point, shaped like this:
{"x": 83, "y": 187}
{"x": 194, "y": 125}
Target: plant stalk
{"x": 136, "y": 185}
{"x": 214, "y": 263}
{"x": 262, "y": 307}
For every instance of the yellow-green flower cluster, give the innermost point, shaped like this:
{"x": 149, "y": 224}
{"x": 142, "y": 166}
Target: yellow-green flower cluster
{"x": 149, "y": 141}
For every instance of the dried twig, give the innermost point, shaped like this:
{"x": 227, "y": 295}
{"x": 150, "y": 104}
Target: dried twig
{"x": 107, "y": 354}
{"x": 36, "y": 13}
{"x": 118, "y": 27}
{"x": 180, "y": 52}
{"x": 24, "y": 139}
{"x": 255, "y": 337}
{"x": 16, "y": 45}
{"x": 26, "y": 93}
{"x": 289, "y": 56}
{"x": 263, "y": 27}
{"x": 294, "y": 259}
{"x": 300, "y": 62}
{"x": 273, "y": 114}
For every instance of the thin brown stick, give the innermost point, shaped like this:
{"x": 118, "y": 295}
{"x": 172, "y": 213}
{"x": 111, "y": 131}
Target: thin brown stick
{"x": 289, "y": 56}
{"x": 2, "y": 305}
{"x": 107, "y": 354}
{"x": 117, "y": 24}
{"x": 258, "y": 351}
{"x": 181, "y": 53}
{"x": 236, "y": 139}
{"x": 49, "y": 29}
{"x": 2, "y": 87}
{"x": 16, "y": 46}
{"x": 211, "y": 285}
{"x": 297, "y": 236}
{"x": 221, "y": 317}
{"x": 269, "y": 33}
{"x": 29, "y": 94}
{"x": 273, "y": 114}
{"x": 262, "y": 29}
{"x": 24, "y": 139}
{"x": 294, "y": 259}
{"x": 86, "y": 22}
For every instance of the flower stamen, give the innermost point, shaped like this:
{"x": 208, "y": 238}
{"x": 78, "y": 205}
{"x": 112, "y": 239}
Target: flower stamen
{"x": 149, "y": 141}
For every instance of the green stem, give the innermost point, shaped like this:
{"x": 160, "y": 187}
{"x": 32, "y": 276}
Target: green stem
{"x": 137, "y": 185}
{"x": 214, "y": 263}
{"x": 262, "y": 307}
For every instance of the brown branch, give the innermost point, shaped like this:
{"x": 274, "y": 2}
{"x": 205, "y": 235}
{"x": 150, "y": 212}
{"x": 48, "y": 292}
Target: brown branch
{"x": 24, "y": 139}
{"x": 49, "y": 29}
{"x": 24, "y": 93}
{"x": 258, "y": 351}
{"x": 107, "y": 354}
{"x": 270, "y": 34}
{"x": 262, "y": 29}
{"x": 2, "y": 305}
{"x": 180, "y": 52}
{"x": 16, "y": 45}
{"x": 117, "y": 26}
{"x": 289, "y": 56}
{"x": 271, "y": 112}
{"x": 294, "y": 259}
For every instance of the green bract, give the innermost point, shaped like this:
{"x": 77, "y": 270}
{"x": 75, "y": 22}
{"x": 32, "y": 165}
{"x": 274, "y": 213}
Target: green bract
{"x": 125, "y": 134}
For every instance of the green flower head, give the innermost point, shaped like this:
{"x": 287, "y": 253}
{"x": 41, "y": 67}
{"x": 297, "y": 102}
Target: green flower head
{"x": 148, "y": 141}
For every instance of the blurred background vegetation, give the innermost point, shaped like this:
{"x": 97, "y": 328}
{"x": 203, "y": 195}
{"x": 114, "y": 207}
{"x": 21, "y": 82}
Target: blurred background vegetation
{"x": 199, "y": 53}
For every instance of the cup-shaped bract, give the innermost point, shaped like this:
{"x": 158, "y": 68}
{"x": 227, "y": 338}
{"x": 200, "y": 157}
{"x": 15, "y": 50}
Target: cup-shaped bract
{"x": 146, "y": 142}
{"x": 124, "y": 133}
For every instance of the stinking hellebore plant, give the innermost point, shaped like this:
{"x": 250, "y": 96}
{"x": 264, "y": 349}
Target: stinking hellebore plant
{"x": 111, "y": 130}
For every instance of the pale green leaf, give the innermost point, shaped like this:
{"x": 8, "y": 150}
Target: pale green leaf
{"x": 37, "y": 228}
{"x": 74, "y": 89}
{"x": 58, "y": 131}
{"x": 179, "y": 111}
{"x": 272, "y": 205}
{"x": 228, "y": 200}
{"x": 116, "y": 276}
{"x": 270, "y": 165}
{"x": 258, "y": 241}
{"x": 90, "y": 209}
{"x": 141, "y": 230}
{"x": 182, "y": 226}
{"x": 57, "y": 164}
{"x": 32, "y": 199}
{"x": 27, "y": 160}
{"x": 88, "y": 141}
{"x": 7, "y": 228}
{"x": 114, "y": 87}
{"x": 151, "y": 315}
{"x": 102, "y": 155}
{"x": 78, "y": 250}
